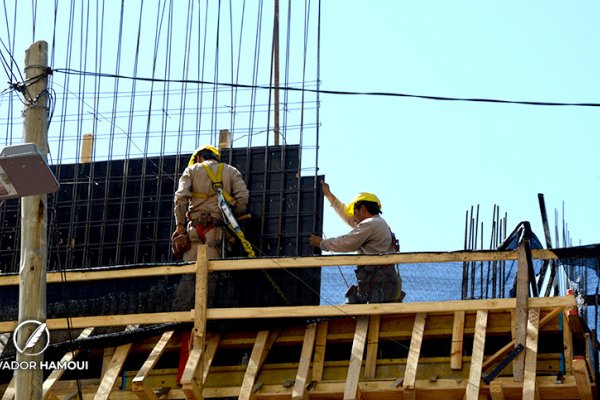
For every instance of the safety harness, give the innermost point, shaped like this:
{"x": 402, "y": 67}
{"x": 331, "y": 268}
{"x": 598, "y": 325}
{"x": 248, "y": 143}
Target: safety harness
{"x": 217, "y": 181}
{"x": 224, "y": 200}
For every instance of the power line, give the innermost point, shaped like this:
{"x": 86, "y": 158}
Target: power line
{"x": 70, "y": 71}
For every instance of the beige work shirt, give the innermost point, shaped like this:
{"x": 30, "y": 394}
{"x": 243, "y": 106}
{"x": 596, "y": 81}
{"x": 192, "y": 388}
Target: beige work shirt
{"x": 370, "y": 236}
{"x": 195, "y": 179}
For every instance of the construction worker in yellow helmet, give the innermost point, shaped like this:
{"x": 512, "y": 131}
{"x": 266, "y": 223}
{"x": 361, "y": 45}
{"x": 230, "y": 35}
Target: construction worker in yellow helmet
{"x": 370, "y": 235}
{"x": 197, "y": 213}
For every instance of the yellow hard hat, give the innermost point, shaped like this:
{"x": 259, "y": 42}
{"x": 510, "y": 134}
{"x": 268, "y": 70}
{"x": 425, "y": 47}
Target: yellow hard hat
{"x": 362, "y": 196}
{"x": 208, "y": 147}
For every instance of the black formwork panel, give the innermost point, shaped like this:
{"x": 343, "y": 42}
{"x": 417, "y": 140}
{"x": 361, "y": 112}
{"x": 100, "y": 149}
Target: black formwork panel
{"x": 120, "y": 212}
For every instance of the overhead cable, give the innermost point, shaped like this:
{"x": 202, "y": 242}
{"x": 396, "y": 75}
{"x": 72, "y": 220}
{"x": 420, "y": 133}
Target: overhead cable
{"x": 70, "y": 71}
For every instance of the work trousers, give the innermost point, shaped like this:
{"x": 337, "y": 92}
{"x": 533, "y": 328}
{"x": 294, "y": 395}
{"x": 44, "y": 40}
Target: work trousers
{"x": 376, "y": 284}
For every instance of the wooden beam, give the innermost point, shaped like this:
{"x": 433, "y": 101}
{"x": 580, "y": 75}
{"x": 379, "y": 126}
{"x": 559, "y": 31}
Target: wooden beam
{"x": 530, "y": 391}
{"x": 9, "y": 393}
{"x": 58, "y": 373}
{"x": 567, "y": 341}
{"x": 414, "y": 352}
{"x": 382, "y": 308}
{"x": 496, "y": 391}
{"x": 358, "y": 349}
{"x": 139, "y": 384}
{"x": 87, "y": 147}
{"x": 521, "y": 314}
{"x": 212, "y": 343}
{"x": 372, "y": 347}
{"x": 456, "y": 350}
{"x": 112, "y": 373}
{"x": 507, "y": 349}
{"x": 259, "y": 352}
{"x": 320, "y": 345}
{"x": 293, "y": 262}
{"x": 193, "y": 374}
{"x": 474, "y": 382}
{"x": 299, "y": 392}
{"x": 584, "y": 386}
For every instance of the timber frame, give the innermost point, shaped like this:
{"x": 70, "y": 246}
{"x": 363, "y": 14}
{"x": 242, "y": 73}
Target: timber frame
{"x": 473, "y": 349}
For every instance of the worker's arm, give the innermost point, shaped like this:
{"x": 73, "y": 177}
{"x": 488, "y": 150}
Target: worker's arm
{"x": 338, "y": 206}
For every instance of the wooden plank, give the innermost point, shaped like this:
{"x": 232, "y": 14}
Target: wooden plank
{"x": 358, "y": 349}
{"x": 193, "y": 374}
{"x": 531, "y": 347}
{"x": 259, "y": 353}
{"x": 414, "y": 352}
{"x": 3, "y": 341}
{"x": 87, "y": 146}
{"x": 456, "y": 350}
{"x": 567, "y": 341}
{"x": 212, "y": 343}
{"x": 372, "y": 347}
{"x": 58, "y": 373}
{"x": 112, "y": 373}
{"x": 474, "y": 382}
{"x": 299, "y": 392}
{"x": 320, "y": 345}
{"x": 107, "y": 355}
{"x": 292, "y": 262}
{"x": 521, "y": 314}
{"x": 584, "y": 385}
{"x": 139, "y": 384}
{"x": 496, "y": 391}
{"x": 506, "y": 349}
{"x": 301, "y": 311}
{"x": 10, "y": 391}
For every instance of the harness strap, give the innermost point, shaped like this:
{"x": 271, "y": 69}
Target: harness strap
{"x": 217, "y": 182}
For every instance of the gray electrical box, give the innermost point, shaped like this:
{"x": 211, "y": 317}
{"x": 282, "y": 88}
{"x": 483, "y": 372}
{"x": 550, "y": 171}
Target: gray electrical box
{"x": 24, "y": 172}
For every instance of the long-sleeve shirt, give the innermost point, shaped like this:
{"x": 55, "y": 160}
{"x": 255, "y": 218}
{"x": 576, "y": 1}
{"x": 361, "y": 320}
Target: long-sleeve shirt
{"x": 370, "y": 236}
{"x": 194, "y": 179}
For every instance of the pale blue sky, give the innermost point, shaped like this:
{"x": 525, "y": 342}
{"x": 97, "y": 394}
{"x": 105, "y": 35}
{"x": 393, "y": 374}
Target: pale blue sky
{"x": 429, "y": 161}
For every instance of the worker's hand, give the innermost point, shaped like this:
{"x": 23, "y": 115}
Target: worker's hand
{"x": 315, "y": 240}
{"x": 326, "y": 190}
{"x": 180, "y": 230}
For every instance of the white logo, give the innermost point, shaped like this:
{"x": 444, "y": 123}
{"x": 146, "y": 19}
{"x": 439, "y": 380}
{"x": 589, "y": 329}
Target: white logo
{"x": 33, "y": 339}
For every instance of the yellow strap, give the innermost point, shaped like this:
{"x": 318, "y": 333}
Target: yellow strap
{"x": 216, "y": 181}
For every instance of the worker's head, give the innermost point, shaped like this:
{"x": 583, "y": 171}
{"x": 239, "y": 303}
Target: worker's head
{"x": 206, "y": 152}
{"x": 364, "y": 202}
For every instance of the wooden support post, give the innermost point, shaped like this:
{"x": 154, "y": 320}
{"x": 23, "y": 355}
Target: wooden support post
{"x": 474, "y": 382}
{"x": 264, "y": 341}
{"x": 276, "y": 73}
{"x": 521, "y": 315}
{"x": 191, "y": 379}
{"x": 496, "y": 391}
{"x": 414, "y": 352}
{"x": 372, "y": 347}
{"x": 320, "y": 344}
{"x": 224, "y": 139}
{"x": 112, "y": 373}
{"x": 87, "y": 148}
{"x": 530, "y": 391}
{"x": 458, "y": 330}
{"x": 139, "y": 385}
{"x": 584, "y": 385}
{"x": 58, "y": 373}
{"x": 9, "y": 392}
{"x": 299, "y": 392}
{"x": 567, "y": 341}
{"x": 34, "y": 219}
{"x": 358, "y": 349}
{"x": 212, "y": 343}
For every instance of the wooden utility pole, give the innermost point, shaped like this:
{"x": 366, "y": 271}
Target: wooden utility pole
{"x": 276, "y": 74}
{"x": 32, "y": 268}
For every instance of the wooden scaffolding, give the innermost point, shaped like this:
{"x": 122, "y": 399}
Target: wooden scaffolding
{"x": 530, "y": 348}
